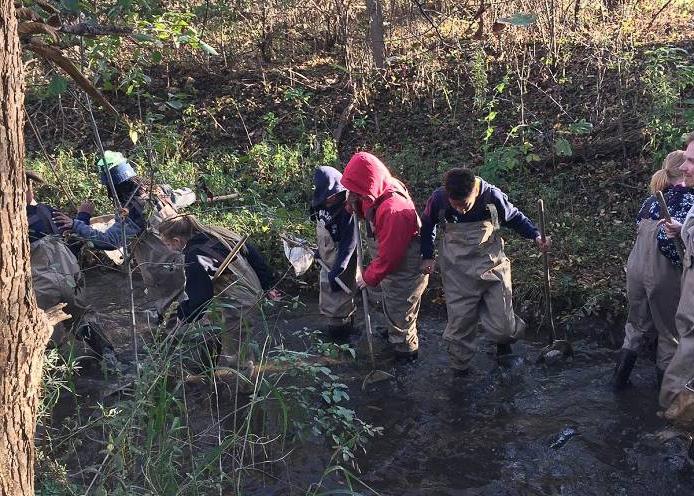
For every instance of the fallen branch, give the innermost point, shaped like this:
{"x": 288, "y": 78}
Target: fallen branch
{"x": 55, "y": 315}
{"x": 54, "y": 55}
{"x": 30, "y": 28}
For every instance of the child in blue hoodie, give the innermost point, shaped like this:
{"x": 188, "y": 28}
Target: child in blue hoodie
{"x": 336, "y": 247}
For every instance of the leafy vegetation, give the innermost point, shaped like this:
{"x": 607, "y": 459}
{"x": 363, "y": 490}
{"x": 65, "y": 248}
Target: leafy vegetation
{"x": 577, "y": 105}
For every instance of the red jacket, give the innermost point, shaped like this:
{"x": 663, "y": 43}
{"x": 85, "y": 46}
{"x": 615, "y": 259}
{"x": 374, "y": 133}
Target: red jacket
{"x": 395, "y": 222}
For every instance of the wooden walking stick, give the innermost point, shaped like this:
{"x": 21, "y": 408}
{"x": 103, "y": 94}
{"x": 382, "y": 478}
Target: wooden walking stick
{"x": 665, "y": 215}
{"x": 556, "y": 347}
{"x": 374, "y": 375}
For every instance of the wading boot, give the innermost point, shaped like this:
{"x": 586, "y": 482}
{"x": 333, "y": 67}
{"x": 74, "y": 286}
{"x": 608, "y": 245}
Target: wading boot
{"x": 341, "y": 332}
{"x": 92, "y": 334}
{"x": 404, "y": 354}
{"x": 503, "y": 350}
{"x": 625, "y": 363}
{"x": 659, "y": 373}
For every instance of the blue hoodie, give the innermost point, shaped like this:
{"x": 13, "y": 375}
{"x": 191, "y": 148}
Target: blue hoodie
{"x": 337, "y": 220}
{"x": 509, "y": 215}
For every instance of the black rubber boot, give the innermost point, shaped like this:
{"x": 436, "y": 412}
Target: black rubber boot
{"x": 659, "y": 373}
{"x": 503, "y": 349}
{"x": 622, "y": 371}
{"x": 92, "y": 334}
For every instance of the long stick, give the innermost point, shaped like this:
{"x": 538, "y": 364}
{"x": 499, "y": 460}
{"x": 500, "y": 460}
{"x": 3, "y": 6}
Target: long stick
{"x": 230, "y": 257}
{"x": 664, "y": 214}
{"x": 545, "y": 260}
{"x": 364, "y": 294}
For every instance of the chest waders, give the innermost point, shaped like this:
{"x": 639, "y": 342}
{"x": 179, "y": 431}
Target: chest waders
{"x": 653, "y": 292}
{"x": 56, "y": 278}
{"x": 336, "y": 306}
{"x": 401, "y": 290}
{"x": 681, "y": 369}
{"x": 161, "y": 267}
{"x": 477, "y": 283}
{"x": 237, "y": 293}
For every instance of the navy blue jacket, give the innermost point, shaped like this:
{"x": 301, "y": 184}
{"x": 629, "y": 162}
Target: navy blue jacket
{"x": 200, "y": 268}
{"x": 337, "y": 220}
{"x": 509, "y": 216}
{"x": 40, "y": 217}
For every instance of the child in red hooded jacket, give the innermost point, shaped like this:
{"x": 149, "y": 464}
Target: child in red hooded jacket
{"x": 393, "y": 233}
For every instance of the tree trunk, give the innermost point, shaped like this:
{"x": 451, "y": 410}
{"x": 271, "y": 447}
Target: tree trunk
{"x": 24, "y": 330}
{"x": 378, "y": 45}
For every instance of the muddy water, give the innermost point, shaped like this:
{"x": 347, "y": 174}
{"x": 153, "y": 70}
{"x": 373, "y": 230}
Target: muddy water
{"x": 518, "y": 429}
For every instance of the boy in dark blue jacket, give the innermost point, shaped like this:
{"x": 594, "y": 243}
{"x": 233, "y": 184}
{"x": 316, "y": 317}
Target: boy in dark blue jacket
{"x": 336, "y": 246}
{"x": 475, "y": 270}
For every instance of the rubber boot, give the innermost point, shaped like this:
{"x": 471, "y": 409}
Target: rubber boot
{"x": 503, "y": 349}
{"x": 659, "y": 373}
{"x": 92, "y": 334}
{"x": 622, "y": 371}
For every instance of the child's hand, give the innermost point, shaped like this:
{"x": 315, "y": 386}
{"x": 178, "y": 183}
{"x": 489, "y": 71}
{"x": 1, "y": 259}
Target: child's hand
{"x": 64, "y": 222}
{"x": 672, "y": 229}
{"x": 275, "y": 295}
{"x": 545, "y": 245}
{"x": 427, "y": 266}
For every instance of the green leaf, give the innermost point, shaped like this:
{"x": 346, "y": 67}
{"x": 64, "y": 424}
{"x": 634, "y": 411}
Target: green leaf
{"x": 156, "y": 57}
{"x": 175, "y": 104}
{"x": 208, "y": 49}
{"x": 563, "y": 148}
{"x": 57, "y": 86}
{"x": 519, "y": 19}
{"x": 580, "y": 127}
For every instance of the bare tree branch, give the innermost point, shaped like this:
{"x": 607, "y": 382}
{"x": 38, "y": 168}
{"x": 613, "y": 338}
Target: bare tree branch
{"x": 54, "y": 55}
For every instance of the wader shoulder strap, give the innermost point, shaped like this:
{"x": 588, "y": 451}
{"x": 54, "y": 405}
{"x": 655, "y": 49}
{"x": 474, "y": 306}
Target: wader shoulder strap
{"x": 371, "y": 213}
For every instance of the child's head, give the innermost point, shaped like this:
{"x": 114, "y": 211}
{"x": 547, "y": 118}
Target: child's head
{"x": 461, "y": 186}
{"x": 670, "y": 173}
{"x": 177, "y": 231}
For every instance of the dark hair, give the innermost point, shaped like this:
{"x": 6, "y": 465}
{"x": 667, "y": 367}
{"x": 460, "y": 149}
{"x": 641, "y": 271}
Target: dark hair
{"x": 459, "y": 183}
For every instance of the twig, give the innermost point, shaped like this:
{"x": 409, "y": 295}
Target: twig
{"x": 665, "y": 6}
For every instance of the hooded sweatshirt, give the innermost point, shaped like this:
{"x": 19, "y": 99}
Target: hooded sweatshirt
{"x": 337, "y": 220}
{"x": 387, "y": 206}
{"x": 509, "y": 215}
{"x": 200, "y": 269}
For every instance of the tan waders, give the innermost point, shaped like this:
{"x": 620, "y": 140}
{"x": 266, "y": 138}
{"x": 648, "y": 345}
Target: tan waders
{"x": 673, "y": 394}
{"x": 336, "y": 306}
{"x": 239, "y": 292}
{"x": 161, "y": 269}
{"x": 56, "y": 278}
{"x": 477, "y": 283}
{"x": 653, "y": 291}
{"x": 402, "y": 294}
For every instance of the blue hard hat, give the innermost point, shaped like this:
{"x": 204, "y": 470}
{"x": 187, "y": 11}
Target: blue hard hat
{"x": 118, "y": 167}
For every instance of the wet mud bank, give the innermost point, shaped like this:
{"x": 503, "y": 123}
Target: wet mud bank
{"x": 514, "y": 429}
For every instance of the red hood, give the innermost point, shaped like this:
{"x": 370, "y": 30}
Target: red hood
{"x": 366, "y": 175}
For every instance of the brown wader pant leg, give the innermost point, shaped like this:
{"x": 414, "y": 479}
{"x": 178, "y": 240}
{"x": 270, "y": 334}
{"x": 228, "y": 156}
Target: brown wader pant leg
{"x": 336, "y": 306}
{"x": 653, "y": 291}
{"x": 52, "y": 288}
{"x": 402, "y": 295}
{"x": 477, "y": 285}
{"x": 161, "y": 268}
{"x": 681, "y": 368}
